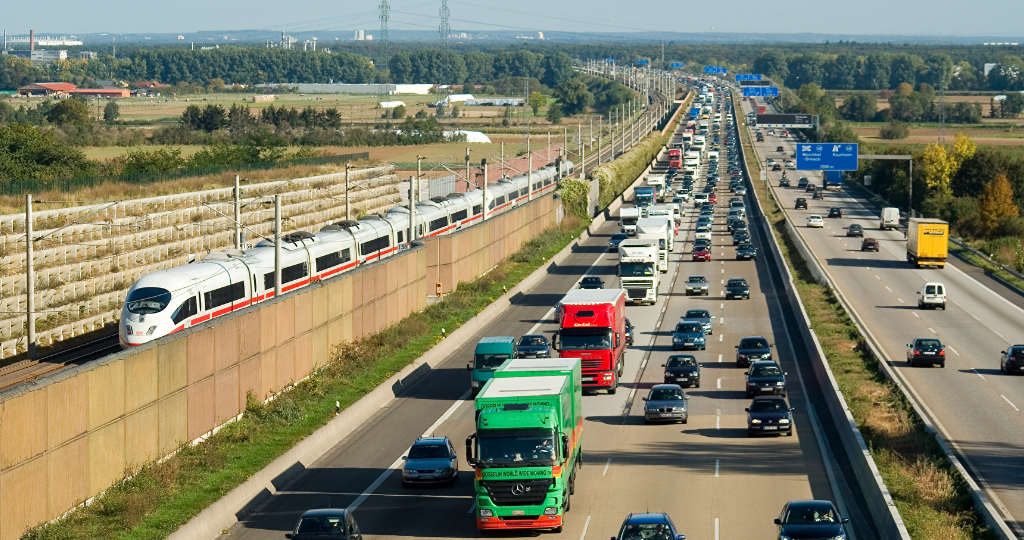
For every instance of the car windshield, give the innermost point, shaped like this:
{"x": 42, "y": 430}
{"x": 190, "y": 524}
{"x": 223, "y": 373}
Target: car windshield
{"x": 765, "y": 371}
{"x": 688, "y": 327}
{"x": 619, "y": 236}
{"x": 753, "y": 343}
{"x": 768, "y": 405}
{"x": 929, "y": 343}
{"x": 665, "y": 394}
{"x": 696, "y": 279}
{"x": 583, "y": 339}
{"x": 490, "y": 361}
{"x": 736, "y": 283}
{"x": 516, "y": 447}
{"x": 746, "y": 246}
{"x": 810, "y": 514}
{"x": 428, "y": 451}
{"x": 644, "y": 531}
{"x": 681, "y": 361}
{"x": 321, "y": 526}
{"x": 855, "y": 226}
{"x": 146, "y": 300}
{"x": 532, "y": 341}
{"x": 697, "y": 314}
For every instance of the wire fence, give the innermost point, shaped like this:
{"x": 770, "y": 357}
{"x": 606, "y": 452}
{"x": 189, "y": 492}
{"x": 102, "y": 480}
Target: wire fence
{"x": 67, "y": 185}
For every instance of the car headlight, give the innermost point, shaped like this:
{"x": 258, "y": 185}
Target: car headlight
{"x": 551, "y": 511}
{"x": 784, "y": 421}
{"x": 484, "y": 512}
{"x": 407, "y": 472}
{"x": 755, "y": 421}
{"x": 442, "y": 471}
{"x": 780, "y": 383}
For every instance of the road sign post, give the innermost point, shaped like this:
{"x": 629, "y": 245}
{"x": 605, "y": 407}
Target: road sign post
{"x": 826, "y": 156}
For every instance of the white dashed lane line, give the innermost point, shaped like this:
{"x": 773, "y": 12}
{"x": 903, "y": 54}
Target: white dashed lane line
{"x": 916, "y": 315}
{"x": 887, "y": 288}
{"x": 1010, "y": 402}
{"x": 979, "y": 374}
{"x": 950, "y": 347}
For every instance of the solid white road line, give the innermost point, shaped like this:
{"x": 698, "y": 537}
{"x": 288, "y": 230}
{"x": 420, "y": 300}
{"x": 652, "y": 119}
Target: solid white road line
{"x": 384, "y": 475}
{"x": 606, "y": 465}
{"x": 1010, "y": 402}
{"x": 979, "y": 374}
{"x": 585, "y": 527}
{"x": 716, "y": 468}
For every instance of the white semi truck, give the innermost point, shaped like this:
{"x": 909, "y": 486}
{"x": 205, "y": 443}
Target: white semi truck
{"x": 657, "y": 230}
{"x": 627, "y": 219}
{"x": 638, "y": 270}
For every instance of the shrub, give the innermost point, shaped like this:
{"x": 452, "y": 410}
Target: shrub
{"x": 1010, "y": 226}
{"x": 894, "y": 130}
{"x": 575, "y": 195}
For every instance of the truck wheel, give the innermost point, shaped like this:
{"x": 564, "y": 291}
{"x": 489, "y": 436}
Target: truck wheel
{"x": 568, "y": 502}
{"x": 615, "y": 386}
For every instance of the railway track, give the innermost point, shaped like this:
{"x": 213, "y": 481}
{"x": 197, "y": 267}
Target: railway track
{"x": 26, "y": 371}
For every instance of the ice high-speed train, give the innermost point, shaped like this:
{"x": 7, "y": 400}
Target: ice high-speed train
{"x": 171, "y": 300}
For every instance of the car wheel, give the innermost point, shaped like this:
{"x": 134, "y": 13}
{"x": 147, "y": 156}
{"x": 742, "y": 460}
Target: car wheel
{"x": 943, "y": 306}
{"x": 568, "y": 502}
{"x": 647, "y": 422}
{"x": 910, "y": 361}
{"x": 1002, "y": 367}
{"x": 557, "y": 530}
{"x": 685, "y": 419}
{"x": 698, "y": 384}
{"x": 942, "y": 365}
{"x": 702, "y": 347}
{"x": 790, "y": 432}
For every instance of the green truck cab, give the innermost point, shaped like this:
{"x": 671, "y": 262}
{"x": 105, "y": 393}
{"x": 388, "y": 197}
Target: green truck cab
{"x": 490, "y": 353}
{"x": 527, "y": 445}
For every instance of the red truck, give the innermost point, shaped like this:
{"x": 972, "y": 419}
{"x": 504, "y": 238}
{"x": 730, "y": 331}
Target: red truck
{"x": 675, "y": 158}
{"x": 592, "y": 327}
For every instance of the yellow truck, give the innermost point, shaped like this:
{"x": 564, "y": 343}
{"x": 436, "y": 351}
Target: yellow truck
{"x": 927, "y": 242}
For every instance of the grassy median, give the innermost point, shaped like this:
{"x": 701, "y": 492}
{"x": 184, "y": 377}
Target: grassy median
{"x": 157, "y": 498}
{"x": 931, "y": 496}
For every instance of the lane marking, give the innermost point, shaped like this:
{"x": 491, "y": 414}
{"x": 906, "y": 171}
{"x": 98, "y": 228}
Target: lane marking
{"x": 878, "y": 278}
{"x": 719, "y": 384}
{"x": 998, "y": 334}
{"x": 722, "y": 321}
{"x": 1010, "y": 402}
{"x": 950, "y": 347}
{"x": 716, "y": 468}
{"x": 916, "y": 315}
{"x": 979, "y": 374}
{"x": 719, "y": 358}
{"x": 720, "y": 336}
{"x": 585, "y": 527}
{"x": 718, "y": 422}
{"x": 387, "y": 472}
{"x": 723, "y": 270}
{"x": 887, "y": 288}
{"x": 722, "y": 306}
{"x": 933, "y": 331}
{"x": 716, "y": 528}
{"x": 606, "y": 465}
{"x": 901, "y": 300}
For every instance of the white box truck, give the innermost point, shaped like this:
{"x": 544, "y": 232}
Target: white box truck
{"x": 657, "y": 230}
{"x": 669, "y": 212}
{"x": 638, "y": 270}
{"x": 627, "y": 219}
{"x": 890, "y": 218}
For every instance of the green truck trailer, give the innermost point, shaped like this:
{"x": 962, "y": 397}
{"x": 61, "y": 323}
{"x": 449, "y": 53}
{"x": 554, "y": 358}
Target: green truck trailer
{"x": 526, "y": 448}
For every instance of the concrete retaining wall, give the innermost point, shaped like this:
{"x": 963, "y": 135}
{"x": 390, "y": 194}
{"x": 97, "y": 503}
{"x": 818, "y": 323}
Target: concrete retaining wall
{"x": 69, "y": 436}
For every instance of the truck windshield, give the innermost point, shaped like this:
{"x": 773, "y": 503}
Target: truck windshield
{"x": 636, "y": 269}
{"x": 517, "y": 447}
{"x": 629, "y": 221}
{"x": 583, "y": 339}
{"x": 490, "y": 361}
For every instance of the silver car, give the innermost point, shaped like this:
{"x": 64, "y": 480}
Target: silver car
{"x": 431, "y": 460}
{"x": 666, "y": 403}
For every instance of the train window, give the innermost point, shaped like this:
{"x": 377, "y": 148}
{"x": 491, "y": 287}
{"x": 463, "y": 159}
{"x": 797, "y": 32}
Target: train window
{"x": 367, "y": 248}
{"x": 288, "y": 275}
{"x": 459, "y": 216}
{"x": 400, "y": 236}
{"x": 490, "y": 205}
{"x": 146, "y": 300}
{"x": 439, "y": 223}
{"x": 478, "y": 209}
{"x": 547, "y": 181}
{"x": 500, "y": 200}
{"x": 187, "y": 309}
{"x": 224, "y": 295}
{"x": 524, "y": 191}
{"x": 332, "y": 259}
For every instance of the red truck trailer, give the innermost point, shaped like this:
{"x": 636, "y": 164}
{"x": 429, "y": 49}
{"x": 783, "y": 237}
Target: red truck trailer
{"x": 592, "y": 327}
{"x": 675, "y": 158}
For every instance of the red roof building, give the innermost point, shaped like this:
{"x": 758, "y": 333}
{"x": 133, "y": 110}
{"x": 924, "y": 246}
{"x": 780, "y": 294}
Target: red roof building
{"x": 46, "y": 89}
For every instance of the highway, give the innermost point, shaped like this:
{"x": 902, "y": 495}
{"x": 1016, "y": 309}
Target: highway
{"x": 708, "y": 475}
{"x": 976, "y": 406}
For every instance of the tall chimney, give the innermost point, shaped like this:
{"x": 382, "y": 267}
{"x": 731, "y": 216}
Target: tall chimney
{"x": 31, "y": 40}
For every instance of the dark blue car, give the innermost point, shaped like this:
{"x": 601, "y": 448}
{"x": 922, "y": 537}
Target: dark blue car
{"x": 648, "y": 525}
{"x": 533, "y": 346}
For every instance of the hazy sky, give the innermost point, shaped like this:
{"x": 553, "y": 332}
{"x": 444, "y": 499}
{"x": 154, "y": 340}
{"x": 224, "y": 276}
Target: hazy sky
{"x": 893, "y": 17}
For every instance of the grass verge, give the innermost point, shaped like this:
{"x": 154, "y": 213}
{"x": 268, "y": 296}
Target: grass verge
{"x": 931, "y": 496}
{"x": 157, "y": 498}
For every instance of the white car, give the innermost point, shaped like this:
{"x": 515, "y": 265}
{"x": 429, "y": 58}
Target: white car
{"x": 700, "y": 199}
{"x": 932, "y": 295}
{"x": 703, "y": 233}
{"x": 791, "y": 165}
{"x": 815, "y": 221}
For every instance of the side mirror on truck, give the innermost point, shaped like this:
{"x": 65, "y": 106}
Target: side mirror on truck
{"x": 556, "y": 344}
{"x": 469, "y": 450}
{"x": 565, "y": 445}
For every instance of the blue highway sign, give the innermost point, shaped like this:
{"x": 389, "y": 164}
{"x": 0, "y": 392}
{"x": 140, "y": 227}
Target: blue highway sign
{"x": 642, "y": 62}
{"x": 826, "y": 156}
{"x": 676, "y": 65}
{"x": 748, "y": 77}
{"x": 764, "y": 91}
{"x": 710, "y": 70}
{"x": 610, "y": 60}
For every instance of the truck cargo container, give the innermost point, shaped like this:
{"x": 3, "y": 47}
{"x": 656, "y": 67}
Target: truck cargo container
{"x": 833, "y": 180}
{"x": 927, "y": 242}
{"x": 890, "y": 218}
{"x": 638, "y": 270}
{"x": 660, "y": 230}
{"x": 592, "y": 327}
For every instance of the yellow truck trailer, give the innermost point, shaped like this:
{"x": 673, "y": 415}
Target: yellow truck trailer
{"x": 927, "y": 242}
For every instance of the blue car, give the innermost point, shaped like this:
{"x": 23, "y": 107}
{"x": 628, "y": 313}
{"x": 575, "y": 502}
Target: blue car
{"x": 431, "y": 460}
{"x": 648, "y": 525}
{"x": 688, "y": 335}
{"x": 533, "y": 346}
{"x": 701, "y": 316}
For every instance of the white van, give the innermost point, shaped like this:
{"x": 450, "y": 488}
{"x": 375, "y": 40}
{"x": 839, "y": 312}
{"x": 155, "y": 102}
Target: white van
{"x": 932, "y": 295}
{"x": 890, "y": 218}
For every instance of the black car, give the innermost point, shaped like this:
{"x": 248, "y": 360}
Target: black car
{"x": 740, "y": 227}
{"x": 592, "y": 282}
{"x": 737, "y": 288}
{"x": 629, "y": 333}
{"x": 810, "y": 187}
{"x": 819, "y": 195}
{"x": 835, "y": 212}
{"x": 784, "y": 182}
{"x": 802, "y": 182}
{"x": 765, "y": 377}
{"x": 746, "y": 252}
{"x": 926, "y": 351}
{"x": 855, "y": 230}
{"x": 740, "y": 236}
{"x": 325, "y": 523}
{"x": 810, "y": 519}
{"x": 648, "y": 525}
{"x": 769, "y": 415}
{"x": 777, "y": 167}
{"x": 801, "y": 203}
{"x": 615, "y": 240}
{"x": 1012, "y": 359}
{"x": 533, "y": 346}
{"x": 682, "y": 369}
{"x": 752, "y": 349}
{"x": 780, "y": 149}
{"x": 731, "y": 222}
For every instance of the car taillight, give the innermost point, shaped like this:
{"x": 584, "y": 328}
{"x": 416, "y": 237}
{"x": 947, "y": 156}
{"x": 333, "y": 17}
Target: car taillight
{"x": 917, "y": 351}
{"x": 942, "y": 353}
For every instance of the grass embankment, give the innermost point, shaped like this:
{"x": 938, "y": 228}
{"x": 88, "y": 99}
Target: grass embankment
{"x": 931, "y": 496}
{"x": 160, "y": 497}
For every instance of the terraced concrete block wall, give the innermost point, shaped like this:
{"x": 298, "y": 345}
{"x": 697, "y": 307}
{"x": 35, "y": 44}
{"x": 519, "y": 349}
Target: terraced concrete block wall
{"x": 67, "y": 437}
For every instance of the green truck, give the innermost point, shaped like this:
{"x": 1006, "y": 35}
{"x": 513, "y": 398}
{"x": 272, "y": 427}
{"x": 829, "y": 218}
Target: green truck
{"x": 490, "y": 353}
{"x": 527, "y": 445}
